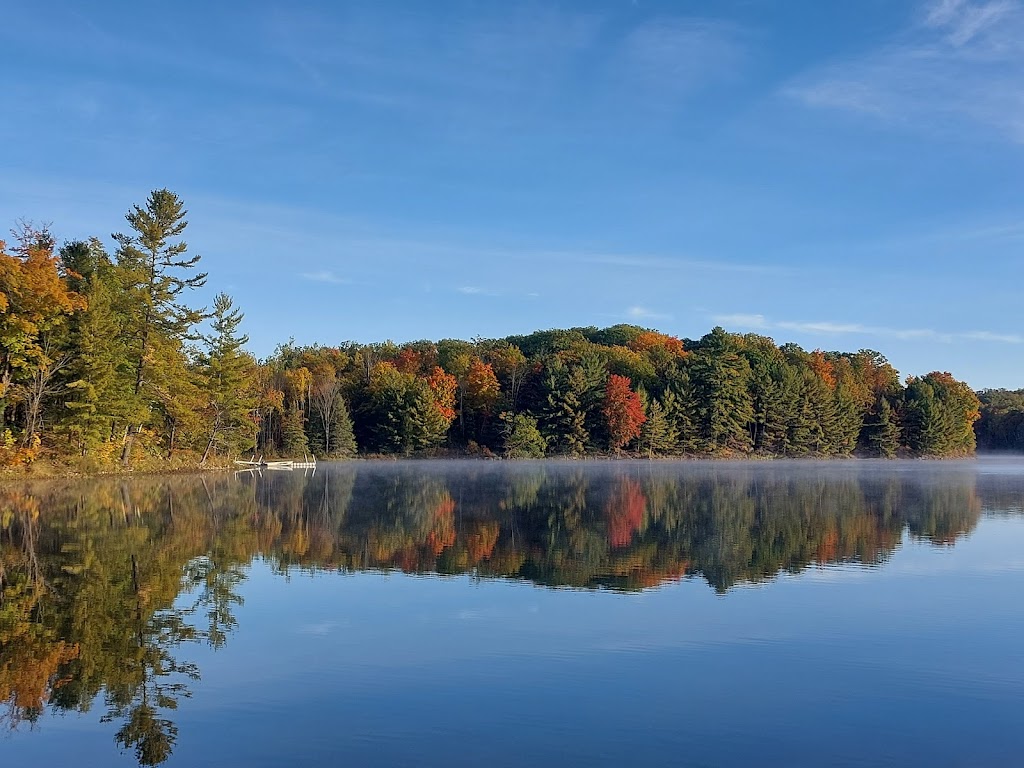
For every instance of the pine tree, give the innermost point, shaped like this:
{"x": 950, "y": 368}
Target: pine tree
{"x": 522, "y": 437}
{"x": 563, "y": 418}
{"x": 848, "y": 421}
{"x": 884, "y": 433}
{"x": 96, "y": 382}
{"x": 424, "y": 426}
{"x": 813, "y": 424}
{"x": 658, "y": 434}
{"x": 227, "y": 381}
{"x": 593, "y": 377}
{"x": 679, "y": 412}
{"x": 773, "y": 398}
{"x": 724, "y": 407}
{"x": 343, "y": 438}
{"x": 294, "y": 442}
{"x": 156, "y": 268}
{"x": 939, "y": 415}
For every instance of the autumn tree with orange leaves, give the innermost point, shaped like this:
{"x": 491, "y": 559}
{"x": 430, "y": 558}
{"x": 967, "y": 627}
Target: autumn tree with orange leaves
{"x": 34, "y": 302}
{"x": 623, "y": 411}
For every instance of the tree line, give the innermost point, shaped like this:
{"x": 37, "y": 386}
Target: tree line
{"x": 1001, "y": 426}
{"x": 105, "y": 356}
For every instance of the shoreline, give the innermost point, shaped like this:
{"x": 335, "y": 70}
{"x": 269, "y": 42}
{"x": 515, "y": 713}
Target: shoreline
{"x": 51, "y": 471}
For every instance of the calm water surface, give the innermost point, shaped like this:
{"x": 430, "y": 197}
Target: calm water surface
{"x": 475, "y": 613}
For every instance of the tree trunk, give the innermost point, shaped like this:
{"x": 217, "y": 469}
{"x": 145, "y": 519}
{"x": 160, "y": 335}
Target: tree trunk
{"x": 212, "y": 441}
{"x": 209, "y": 447}
{"x": 129, "y": 441}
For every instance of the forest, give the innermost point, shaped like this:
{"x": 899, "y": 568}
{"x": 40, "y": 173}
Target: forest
{"x": 107, "y": 361}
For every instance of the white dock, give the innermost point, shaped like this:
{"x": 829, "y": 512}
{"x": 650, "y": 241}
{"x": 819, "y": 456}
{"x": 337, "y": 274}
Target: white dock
{"x": 308, "y": 462}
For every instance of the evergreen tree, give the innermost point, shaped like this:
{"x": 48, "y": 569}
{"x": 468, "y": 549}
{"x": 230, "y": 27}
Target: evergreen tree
{"x": 593, "y": 375}
{"x": 927, "y": 425}
{"x": 724, "y": 407}
{"x": 563, "y": 417}
{"x": 680, "y": 413}
{"x": 98, "y": 385}
{"x": 180, "y": 400}
{"x": 343, "y": 438}
{"x": 813, "y": 425}
{"x": 848, "y": 421}
{"x": 774, "y": 401}
{"x": 293, "y": 434}
{"x": 401, "y": 412}
{"x": 522, "y": 437}
{"x": 156, "y": 268}
{"x": 1001, "y": 425}
{"x": 658, "y": 433}
{"x": 423, "y": 424}
{"x": 227, "y": 378}
{"x": 939, "y": 415}
{"x": 884, "y": 433}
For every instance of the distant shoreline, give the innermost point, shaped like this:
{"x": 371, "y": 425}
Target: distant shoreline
{"x": 50, "y": 471}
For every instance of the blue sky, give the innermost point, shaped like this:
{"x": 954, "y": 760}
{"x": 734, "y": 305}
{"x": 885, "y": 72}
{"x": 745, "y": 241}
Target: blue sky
{"x": 841, "y": 175}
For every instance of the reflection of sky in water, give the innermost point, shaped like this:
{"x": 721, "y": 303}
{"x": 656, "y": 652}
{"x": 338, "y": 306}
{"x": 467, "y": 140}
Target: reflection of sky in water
{"x": 801, "y": 666}
{"x": 917, "y": 662}
{"x": 913, "y": 662}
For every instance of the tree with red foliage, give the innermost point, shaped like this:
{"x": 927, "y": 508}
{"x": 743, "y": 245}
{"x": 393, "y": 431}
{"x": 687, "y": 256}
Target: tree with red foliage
{"x": 623, "y": 412}
{"x": 624, "y": 512}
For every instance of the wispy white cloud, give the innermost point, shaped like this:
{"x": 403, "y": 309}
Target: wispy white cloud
{"x": 643, "y": 313}
{"x": 665, "y": 59}
{"x": 963, "y": 21}
{"x": 678, "y": 262}
{"x": 959, "y": 64}
{"x": 742, "y": 321}
{"x": 324, "y": 276}
{"x": 757, "y": 322}
{"x": 475, "y": 290}
{"x": 321, "y": 629}
{"x": 1006, "y": 338}
{"x": 507, "y": 66}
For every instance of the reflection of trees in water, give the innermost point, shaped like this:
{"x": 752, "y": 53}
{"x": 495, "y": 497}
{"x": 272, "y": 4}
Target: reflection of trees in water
{"x": 105, "y": 587}
{"x": 117, "y": 593}
{"x": 32, "y": 653}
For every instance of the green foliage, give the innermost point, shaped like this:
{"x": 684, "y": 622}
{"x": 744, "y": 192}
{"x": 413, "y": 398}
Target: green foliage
{"x": 522, "y": 437}
{"x": 99, "y": 355}
{"x": 563, "y": 415}
{"x": 343, "y": 438}
{"x": 156, "y": 272}
{"x": 658, "y": 434}
{"x": 884, "y": 431}
{"x": 939, "y": 414}
{"x": 400, "y": 413}
{"x": 1001, "y": 426}
{"x": 723, "y": 404}
{"x": 98, "y": 384}
{"x": 228, "y": 379}
{"x": 294, "y": 442}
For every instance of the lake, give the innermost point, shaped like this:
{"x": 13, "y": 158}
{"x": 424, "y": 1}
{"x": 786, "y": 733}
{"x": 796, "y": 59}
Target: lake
{"x": 466, "y": 613}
